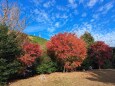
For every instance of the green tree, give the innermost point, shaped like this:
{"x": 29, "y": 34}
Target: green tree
{"x": 88, "y": 39}
{"x": 9, "y": 51}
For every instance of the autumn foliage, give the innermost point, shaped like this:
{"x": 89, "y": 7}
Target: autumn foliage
{"x": 67, "y": 49}
{"x": 100, "y": 52}
{"x": 31, "y": 51}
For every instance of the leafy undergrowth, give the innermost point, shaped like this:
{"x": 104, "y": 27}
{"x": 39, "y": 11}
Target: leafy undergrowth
{"x": 87, "y": 78}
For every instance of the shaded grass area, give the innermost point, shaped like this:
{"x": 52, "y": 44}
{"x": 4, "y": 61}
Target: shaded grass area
{"x": 107, "y": 76}
{"x": 87, "y": 78}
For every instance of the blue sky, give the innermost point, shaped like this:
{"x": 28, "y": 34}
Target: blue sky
{"x": 49, "y": 17}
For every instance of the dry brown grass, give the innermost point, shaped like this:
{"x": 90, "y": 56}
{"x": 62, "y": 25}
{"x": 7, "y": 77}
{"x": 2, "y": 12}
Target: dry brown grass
{"x": 87, "y": 78}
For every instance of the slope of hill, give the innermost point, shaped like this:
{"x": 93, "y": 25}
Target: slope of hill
{"x": 39, "y": 40}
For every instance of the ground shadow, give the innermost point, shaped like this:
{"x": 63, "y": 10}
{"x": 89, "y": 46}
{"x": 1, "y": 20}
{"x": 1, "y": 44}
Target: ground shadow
{"x": 106, "y": 76}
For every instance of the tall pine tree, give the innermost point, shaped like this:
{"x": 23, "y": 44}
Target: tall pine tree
{"x": 9, "y": 50}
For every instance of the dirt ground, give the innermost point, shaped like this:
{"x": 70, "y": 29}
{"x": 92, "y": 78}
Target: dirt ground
{"x": 86, "y": 78}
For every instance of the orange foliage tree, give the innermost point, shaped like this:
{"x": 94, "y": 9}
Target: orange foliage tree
{"x": 67, "y": 49}
{"x": 31, "y": 51}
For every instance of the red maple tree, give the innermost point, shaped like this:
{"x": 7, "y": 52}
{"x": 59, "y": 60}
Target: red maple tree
{"x": 31, "y": 51}
{"x": 67, "y": 49}
{"x": 100, "y": 52}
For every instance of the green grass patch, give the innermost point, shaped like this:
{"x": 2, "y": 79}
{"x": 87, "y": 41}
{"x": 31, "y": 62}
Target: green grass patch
{"x": 41, "y": 41}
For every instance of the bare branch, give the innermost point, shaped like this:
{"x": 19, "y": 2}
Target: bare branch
{"x": 10, "y": 15}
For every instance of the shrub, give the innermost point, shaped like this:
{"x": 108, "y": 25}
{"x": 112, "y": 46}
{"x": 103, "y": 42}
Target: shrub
{"x": 46, "y": 67}
{"x": 9, "y": 51}
{"x": 7, "y": 71}
{"x": 30, "y": 53}
{"x": 67, "y": 50}
{"x": 86, "y": 64}
{"x": 99, "y": 53}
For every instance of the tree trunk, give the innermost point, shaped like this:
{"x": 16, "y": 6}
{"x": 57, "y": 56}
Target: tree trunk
{"x": 99, "y": 67}
{"x": 64, "y": 69}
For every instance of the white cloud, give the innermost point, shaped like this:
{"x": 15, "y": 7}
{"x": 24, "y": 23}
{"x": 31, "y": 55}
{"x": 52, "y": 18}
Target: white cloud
{"x": 108, "y": 38}
{"x": 95, "y": 16}
{"x": 80, "y": 30}
{"x": 72, "y": 4}
{"x": 91, "y": 3}
{"x": 101, "y": 8}
{"x": 57, "y": 15}
{"x": 42, "y": 16}
{"x": 84, "y": 15}
{"x": 52, "y": 29}
{"x": 76, "y": 12}
{"x": 51, "y": 35}
{"x": 46, "y": 4}
{"x": 105, "y": 8}
{"x": 101, "y": 0}
{"x": 36, "y": 2}
{"x": 49, "y": 3}
{"x": 57, "y": 24}
{"x": 81, "y": 1}
{"x": 62, "y": 8}
{"x": 92, "y": 20}
{"x": 62, "y": 16}
{"x": 71, "y": 1}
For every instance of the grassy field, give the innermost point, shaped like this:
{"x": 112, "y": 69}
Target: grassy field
{"x": 39, "y": 40}
{"x": 86, "y": 78}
